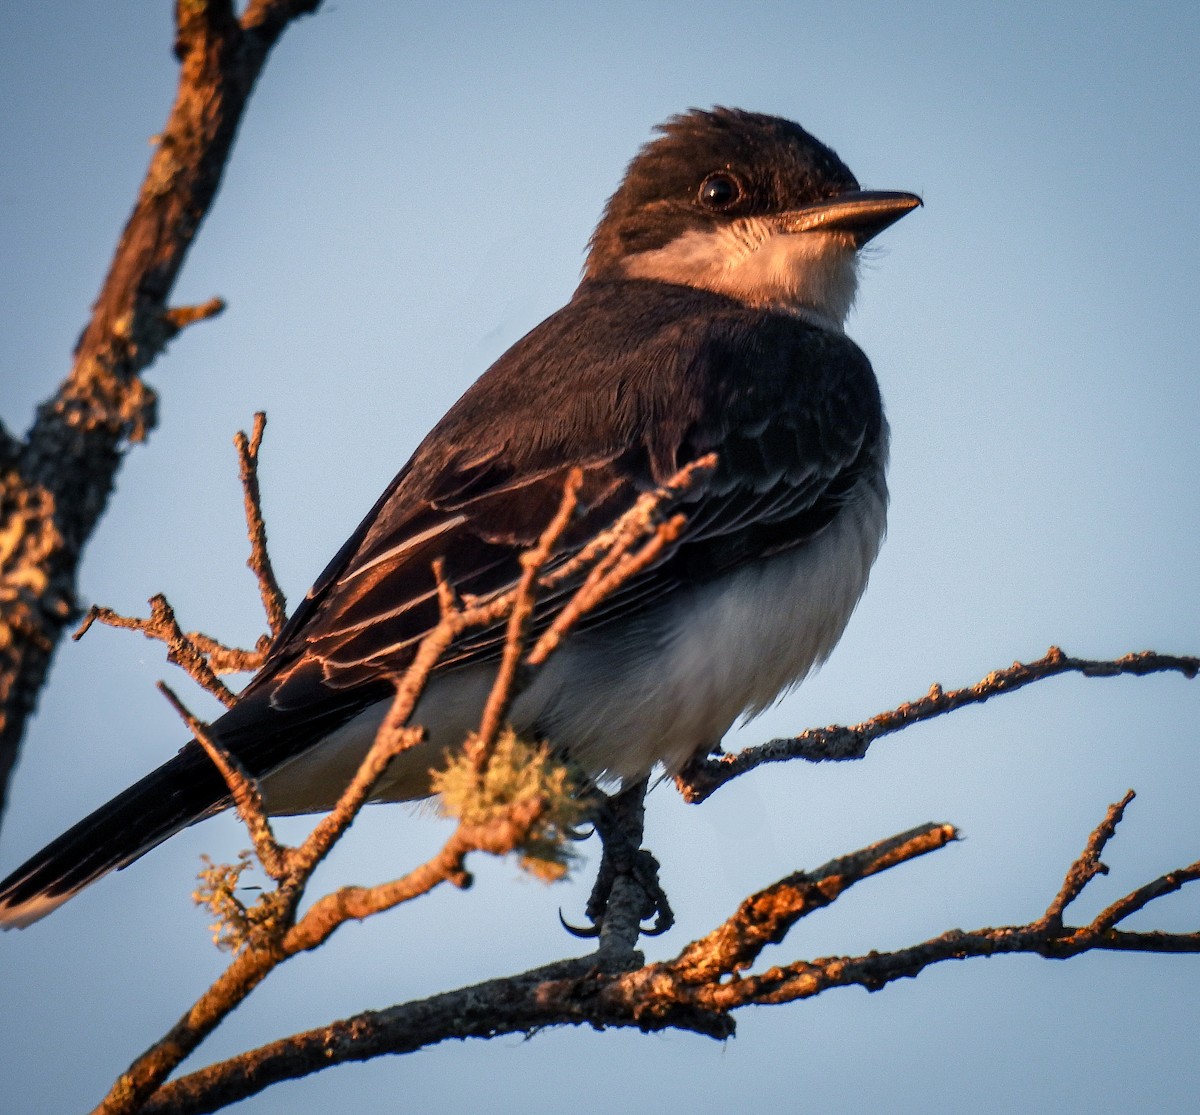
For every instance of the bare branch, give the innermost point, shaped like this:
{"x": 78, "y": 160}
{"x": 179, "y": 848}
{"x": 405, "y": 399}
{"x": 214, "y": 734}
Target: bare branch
{"x": 259, "y": 561}
{"x": 1088, "y": 865}
{"x": 766, "y": 917}
{"x": 502, "y": 831}
{"x": 242, "y": 788}
{"x": 504, "y": 1006}
{"x": 162, "y": 626}
{"x": 55, "y": 486}
{"x": 635, "y": 523}
{"x": 836, "y": 743}
{"x": 499, "y": 837}
{"x": 200, "y": 655}
{"x": 1142, "y": 897}
{"x": 698, "y": 990}
{"x": 533, "y": 563}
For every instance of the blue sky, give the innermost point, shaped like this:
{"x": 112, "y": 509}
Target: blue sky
{"x": 411, "y": 192}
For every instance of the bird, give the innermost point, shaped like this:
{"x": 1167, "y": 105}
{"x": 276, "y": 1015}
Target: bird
{"x": 709, "y": 319}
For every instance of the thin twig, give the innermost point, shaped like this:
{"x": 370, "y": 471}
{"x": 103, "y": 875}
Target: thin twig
{"x": 186, "y": 651}
{"x": 533, "y": 562}
{"x": 499, "y": 837}
{"x": 247, "y": 799}
{"x": 635, "y": 523}
{"x": 259, "y": 561}
{"x": 1139, "y": 899}
{"x": 836, "y": 743}
{"x": 1088, "y": 865}
{"x": 617, "y": 568}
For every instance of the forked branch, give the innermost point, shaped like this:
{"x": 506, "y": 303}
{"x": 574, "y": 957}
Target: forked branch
{"x": 201, "y": 656}
{"x": 703, "y": 986}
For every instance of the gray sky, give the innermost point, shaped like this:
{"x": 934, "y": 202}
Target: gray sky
{"x": 411, "y": 192}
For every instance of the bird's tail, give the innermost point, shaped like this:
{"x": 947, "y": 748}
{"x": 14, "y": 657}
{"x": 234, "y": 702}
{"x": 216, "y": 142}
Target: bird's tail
{"x": 181, "y": 791}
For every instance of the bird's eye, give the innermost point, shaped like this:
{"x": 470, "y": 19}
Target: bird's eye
{"x": 720, "y": 191}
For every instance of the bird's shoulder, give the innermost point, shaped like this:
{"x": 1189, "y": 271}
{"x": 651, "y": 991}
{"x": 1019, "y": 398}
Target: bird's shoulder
{"x": 643, "y": 363}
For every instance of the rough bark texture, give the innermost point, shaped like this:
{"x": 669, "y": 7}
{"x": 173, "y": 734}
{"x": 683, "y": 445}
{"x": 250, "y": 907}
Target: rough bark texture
{"x": 55, "y": 484}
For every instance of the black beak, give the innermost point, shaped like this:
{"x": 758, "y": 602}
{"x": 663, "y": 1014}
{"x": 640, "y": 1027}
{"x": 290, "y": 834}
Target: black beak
{"x": 862, "y": 213}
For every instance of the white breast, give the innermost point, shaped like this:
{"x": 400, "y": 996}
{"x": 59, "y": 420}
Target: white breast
{"x": 728, "y": 648}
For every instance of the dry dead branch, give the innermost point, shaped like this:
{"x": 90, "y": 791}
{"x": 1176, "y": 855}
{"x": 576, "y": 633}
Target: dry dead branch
{"x": 837, "y": 744}
{"x": 706, "y": 982}
{"x": 55, "y": 482}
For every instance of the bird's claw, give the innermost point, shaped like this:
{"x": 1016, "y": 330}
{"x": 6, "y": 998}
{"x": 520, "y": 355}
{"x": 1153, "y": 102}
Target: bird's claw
{"x": 619, "y": 822}
{"x": 584, "y": 932}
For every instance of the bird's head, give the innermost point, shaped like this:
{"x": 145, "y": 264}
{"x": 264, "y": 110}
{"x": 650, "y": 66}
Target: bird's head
{"x": 750, "y": 206}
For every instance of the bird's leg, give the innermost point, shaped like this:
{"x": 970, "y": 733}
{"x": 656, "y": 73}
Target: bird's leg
{"x": 627, "y": 891}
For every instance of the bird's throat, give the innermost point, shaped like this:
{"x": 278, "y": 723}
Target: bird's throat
{"x": 814, "y": 274}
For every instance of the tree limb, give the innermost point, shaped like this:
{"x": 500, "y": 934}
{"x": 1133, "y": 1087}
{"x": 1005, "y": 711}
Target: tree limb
{"x": 55, "y": 485}
{"x": 699, "y": 989}
{"x": 705, "y": 775}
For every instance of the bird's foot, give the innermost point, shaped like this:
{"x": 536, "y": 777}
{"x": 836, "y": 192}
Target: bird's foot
{"x": 627, "y": 893}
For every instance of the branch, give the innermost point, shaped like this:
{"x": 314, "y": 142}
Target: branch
{"x": 259, "y": 561}
{"x": 703, "y": 776}
{"x": 55, "y": 485}
{"x": 192, "y": 652}
{"x": 698, "y": 990}
{"x": 242, "y": 788}
{"x": 201, "y": 656}
{"x": 178, "y": 318}
{"x": 532, "y": 564}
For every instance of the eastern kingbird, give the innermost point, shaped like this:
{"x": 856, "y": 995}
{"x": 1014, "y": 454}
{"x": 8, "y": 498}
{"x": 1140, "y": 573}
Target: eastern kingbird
{"x": 709, "y": 320}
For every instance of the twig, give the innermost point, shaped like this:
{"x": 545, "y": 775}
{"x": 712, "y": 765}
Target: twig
{"x": 1088, "y": 865}
{"x": 202, "y": 656}
{"x": 836, "y": 743}
{"x": 259, "y": 561}
{"x": 617, "y": 567}
{"x": 766, "y": 917}
{"x": 1139, "y": 899}
{"x": 635, "y": 523}
{"x": 242, "y": 788}
{"x": 499, "y": 837}
{"x": 178, "y": 318}
{"x": 191, "y": 652}
{"x": 533, "y": 563}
